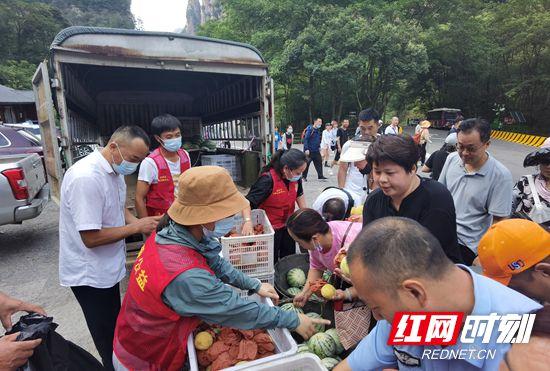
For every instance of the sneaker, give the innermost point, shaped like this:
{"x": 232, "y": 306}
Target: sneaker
{"x": 323, "y": 178}
{"x": 304, "y": 179}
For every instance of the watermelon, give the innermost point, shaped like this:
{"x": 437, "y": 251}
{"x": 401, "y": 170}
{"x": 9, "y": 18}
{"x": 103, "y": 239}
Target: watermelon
{"x": 293, "y": 291}
{"x": 326, "y": 275}
{"x": 296, "y": 277}
{"x": 329, "y": 362}
{"x": 334, "y": 335}
{"x": 322, "y": 345}
{"x": 319, "y": 327}
{"x": 289, "y": 307}
{"x": 303, "y": 348}
{"x": 315, "y": 299}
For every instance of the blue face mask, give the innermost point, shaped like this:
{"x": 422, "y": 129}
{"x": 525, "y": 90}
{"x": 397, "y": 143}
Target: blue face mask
{"x": 172, "y": 145}
{"x": 125, "y": 167}
{"x": 295, "y": 178}
{"x": 222, "y": 227}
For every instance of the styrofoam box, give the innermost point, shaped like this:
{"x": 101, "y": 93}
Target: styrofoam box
{"x": 285, "y": 345}
{"x": 253, "y": 255}
{"x": 298, "y": 362}
{"x": 228, "y": 162}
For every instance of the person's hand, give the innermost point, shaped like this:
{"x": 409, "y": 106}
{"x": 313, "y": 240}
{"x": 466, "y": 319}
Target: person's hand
{"x": 306, "y": 328}
{"x": 355, "y": 218}
{"x": 339, "y": 273}
{"x": 147, "y": 225}
{"x": 248, "y": 228}
{"x": 339, "y": 295}
{"x": 14, "y": 354}
{"x": 300, "y": 299}
{"x": 307, "y": 152}
{"x": 267, "y": 291}
{"x": 10, "y": 306}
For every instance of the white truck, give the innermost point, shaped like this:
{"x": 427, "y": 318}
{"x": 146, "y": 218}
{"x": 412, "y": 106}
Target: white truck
{"x": 23, "y": 188}
{"x": 96, "y": 79}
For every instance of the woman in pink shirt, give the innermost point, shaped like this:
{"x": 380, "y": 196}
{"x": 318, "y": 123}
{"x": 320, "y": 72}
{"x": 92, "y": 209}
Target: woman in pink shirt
{"x": 323, "y": 241}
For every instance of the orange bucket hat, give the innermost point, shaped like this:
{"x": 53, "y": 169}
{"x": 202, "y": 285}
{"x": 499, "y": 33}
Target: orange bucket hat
{"x": 206, "y": 194}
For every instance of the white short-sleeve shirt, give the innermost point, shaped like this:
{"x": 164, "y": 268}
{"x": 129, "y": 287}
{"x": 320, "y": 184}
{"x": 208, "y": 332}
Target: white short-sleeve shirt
{"x": 92, "y": 198}
{"x": 149, "y": 172}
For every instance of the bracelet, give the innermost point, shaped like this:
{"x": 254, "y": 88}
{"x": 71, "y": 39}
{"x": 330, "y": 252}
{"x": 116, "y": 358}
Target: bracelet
{"x": 247, "y": 219}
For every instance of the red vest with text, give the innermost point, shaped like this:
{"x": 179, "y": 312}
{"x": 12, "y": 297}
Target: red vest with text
{"x": 149, "y": 335}
{"x": 161, "y": 195}
{"x": 281, "y": 202}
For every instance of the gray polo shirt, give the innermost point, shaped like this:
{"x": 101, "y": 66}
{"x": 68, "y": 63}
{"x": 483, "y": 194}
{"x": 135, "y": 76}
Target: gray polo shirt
{"x": 477, "y": 196}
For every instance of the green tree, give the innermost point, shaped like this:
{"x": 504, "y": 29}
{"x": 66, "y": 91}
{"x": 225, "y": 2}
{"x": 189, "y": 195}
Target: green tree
{"x": 17, "y": 74}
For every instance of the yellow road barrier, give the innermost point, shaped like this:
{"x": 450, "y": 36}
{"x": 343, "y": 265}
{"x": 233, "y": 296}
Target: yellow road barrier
{"x": 526, "y": 139}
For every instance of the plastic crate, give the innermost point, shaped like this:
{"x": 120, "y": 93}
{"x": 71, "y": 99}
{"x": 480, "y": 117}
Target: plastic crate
{"x": 253, "y": 255}
{"x": 285, "y": 346}
{"x": 298, "y": 362}
{"x": 228, "y": 162}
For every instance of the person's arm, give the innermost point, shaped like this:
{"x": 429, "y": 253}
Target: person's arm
{"x": 301, "y": 201}
{"x": 501, "y": 198}
{"x": 227, "y": 273}
{"x": 260, "y": 191}
{"x": 368, "y": 215}
{"x": 99, "y": 237}
{"x": 342, "y": 174}
{"x": 427, "y": 168}
{"x": 148, "y": 174}
{"x": 129, "y": 218}
{"x": 142, "y": 188}
{"x": 313, "y": 274}
{"x": 373, "y": 352}
{"x": 306, "y": 139}
{"x": 441, "y": 222}
{"x": 248, "y": 228}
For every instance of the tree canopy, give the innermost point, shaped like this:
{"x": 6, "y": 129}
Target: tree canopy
{"x": 330, "y": 58}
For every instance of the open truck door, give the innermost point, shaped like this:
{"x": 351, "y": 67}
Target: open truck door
{"x": 46, "y": 120}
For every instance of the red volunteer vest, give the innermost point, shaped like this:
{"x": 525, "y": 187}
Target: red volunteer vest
{"x": 280, "y": 204}
{"x": 149, "y": 335}
{"x": 161, "y": 195}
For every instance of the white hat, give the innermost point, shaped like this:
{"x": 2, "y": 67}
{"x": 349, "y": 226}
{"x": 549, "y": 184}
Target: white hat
{"x": 451, "y": 139}
{"x": 354, "y": 151}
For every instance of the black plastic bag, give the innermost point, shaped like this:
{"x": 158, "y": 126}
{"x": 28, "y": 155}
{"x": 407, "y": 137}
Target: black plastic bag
{"x": 54, "y": 353}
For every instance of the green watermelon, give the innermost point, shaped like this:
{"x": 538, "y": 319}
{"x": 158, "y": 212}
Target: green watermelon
{"x": 329, "y": 362}
{"x": 322, "y": 345}
{"x": 289, "y": 307}
{"x": 294, "y": 291}
{"x": 319, "y": 327}
{"x": 296, "y": 277}
{"x": 334, "y": 335}
{"x": 303, "y": 348}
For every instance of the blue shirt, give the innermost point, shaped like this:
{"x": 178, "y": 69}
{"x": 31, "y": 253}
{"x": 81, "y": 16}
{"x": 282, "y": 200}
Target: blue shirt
{"x": 373, "y": 352}
{"x": 312, "y": 139}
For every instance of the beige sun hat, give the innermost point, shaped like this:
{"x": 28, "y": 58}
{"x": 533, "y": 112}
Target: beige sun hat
{"x": 206, "y": 194}
{"x": 354, "y": 151}
{"x": 425, "y": 124}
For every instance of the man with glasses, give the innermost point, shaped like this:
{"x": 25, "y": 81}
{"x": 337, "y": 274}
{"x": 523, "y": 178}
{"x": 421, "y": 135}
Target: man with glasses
{"x": 480, "y": 185}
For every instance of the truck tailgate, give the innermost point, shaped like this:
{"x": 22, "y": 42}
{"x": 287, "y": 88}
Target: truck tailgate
{"x": 34, "y": 174}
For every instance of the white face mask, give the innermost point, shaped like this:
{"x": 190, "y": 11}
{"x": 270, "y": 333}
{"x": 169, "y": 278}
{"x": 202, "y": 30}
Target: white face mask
{"x": 317, "y": 246}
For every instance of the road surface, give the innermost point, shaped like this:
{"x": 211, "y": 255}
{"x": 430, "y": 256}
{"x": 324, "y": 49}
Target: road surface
{"x": 29, "y": 252}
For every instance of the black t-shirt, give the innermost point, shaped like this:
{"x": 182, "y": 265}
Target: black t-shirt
{"x": 431, "y": 204}
{"x": 262, "y": 189}
{"x": 343, "y": 134}
{"x": 436, "y": 162}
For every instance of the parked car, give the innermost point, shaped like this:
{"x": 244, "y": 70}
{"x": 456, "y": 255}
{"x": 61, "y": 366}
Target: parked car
{"x": 13, "y": 142}
{"x": 29, "y": 126}
{"x": 23, "y": 188}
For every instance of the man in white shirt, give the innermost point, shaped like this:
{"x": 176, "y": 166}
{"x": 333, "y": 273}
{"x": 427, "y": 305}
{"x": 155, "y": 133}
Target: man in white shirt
{"x": 337, "y": 202}
{"x": 93, "y": 223}
{"x": 393, "y": 129}
{"x": 353, "y": 170}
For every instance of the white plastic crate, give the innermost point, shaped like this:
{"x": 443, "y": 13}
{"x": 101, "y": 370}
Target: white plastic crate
{"x": 253, "y": 255}
{"x": 298, "y": 362}
{"x": 228, "y": 162}
{"x": 285, "y": 346}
